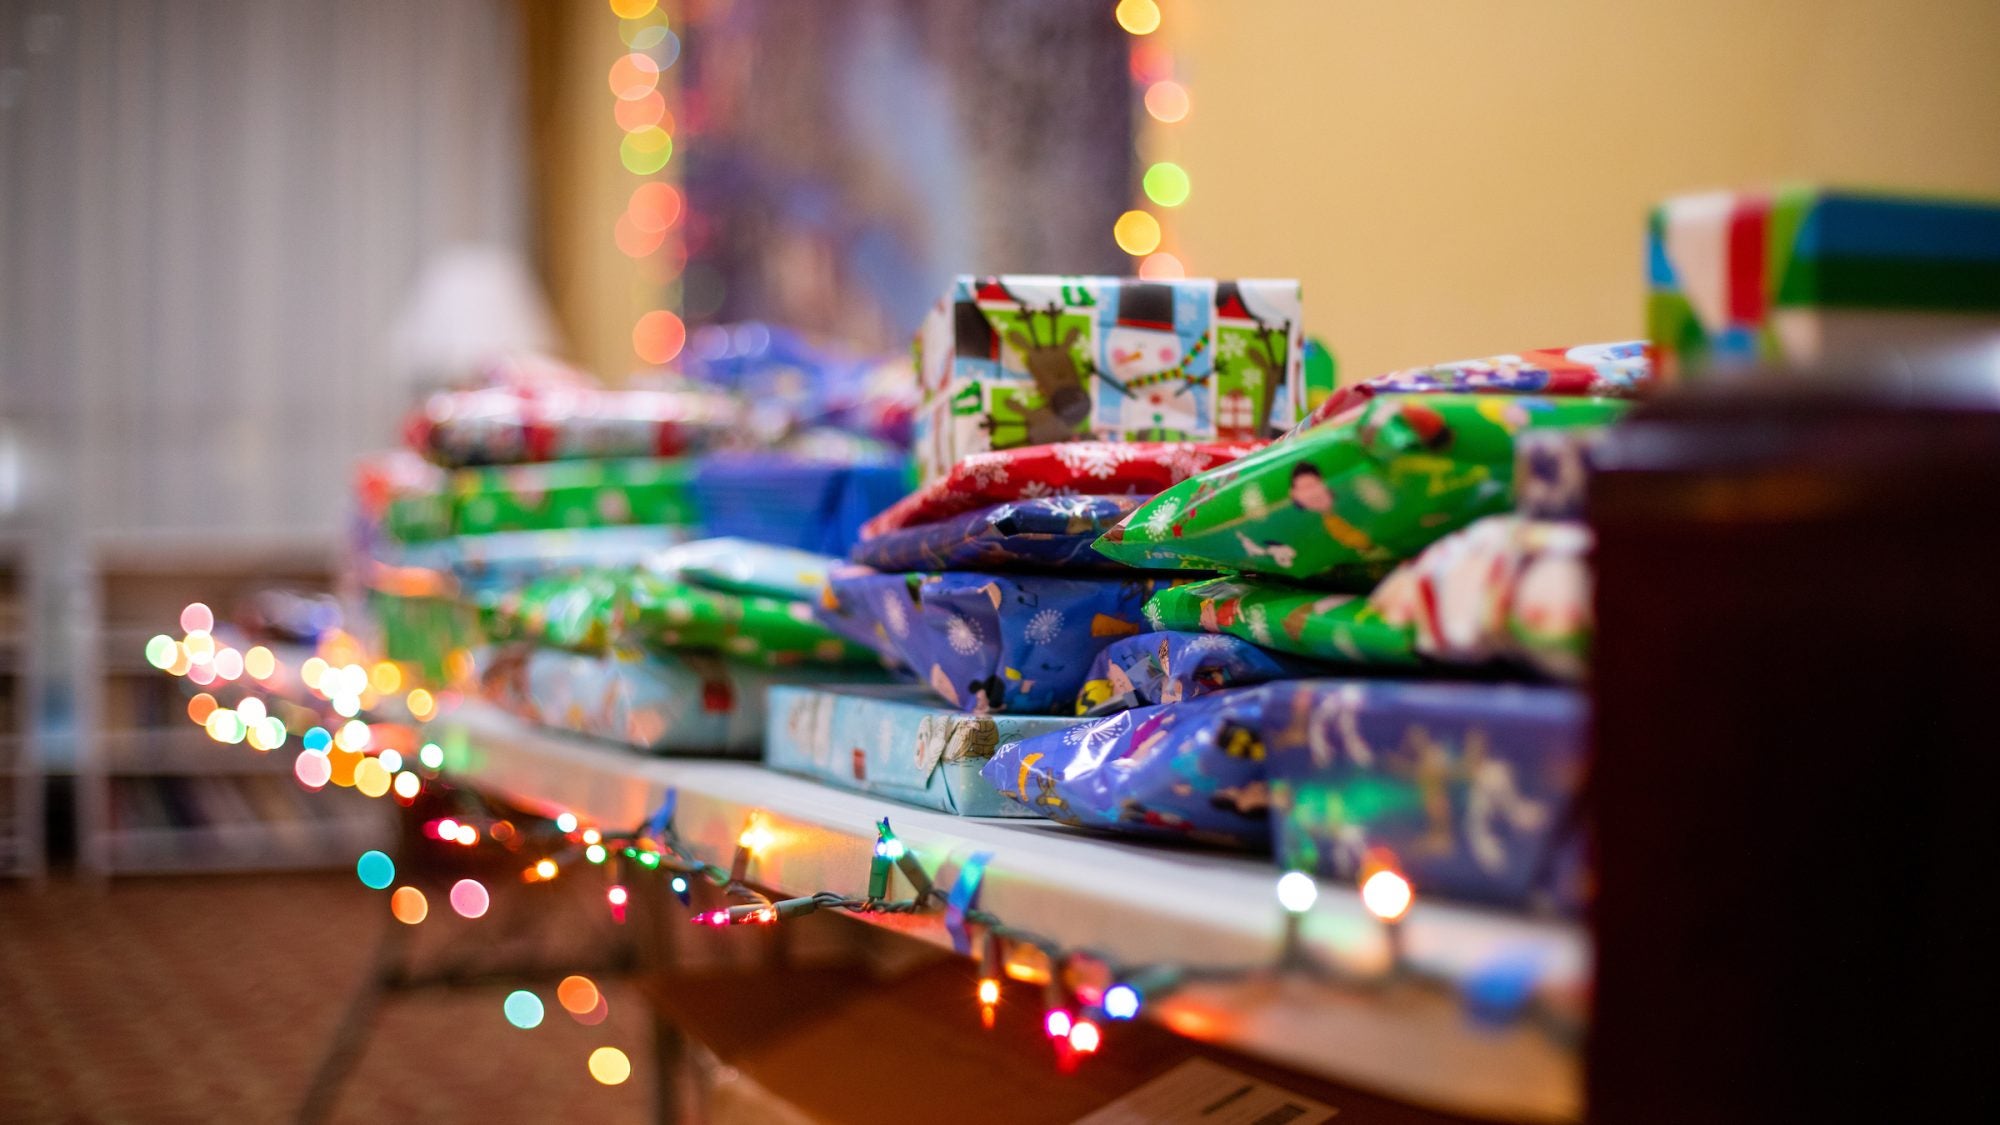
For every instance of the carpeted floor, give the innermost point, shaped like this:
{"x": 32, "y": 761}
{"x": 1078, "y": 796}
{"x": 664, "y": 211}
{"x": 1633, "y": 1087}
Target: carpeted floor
{"x": 210, "y": 999}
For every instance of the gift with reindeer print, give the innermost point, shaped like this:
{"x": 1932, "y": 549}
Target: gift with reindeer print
{"x": 1019, "y": 360}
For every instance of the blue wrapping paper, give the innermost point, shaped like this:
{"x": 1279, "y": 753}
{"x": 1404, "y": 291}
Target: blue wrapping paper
{"x": 812, "y": 505}
{"x": 1169, "y": 667}
{"x": 989, "y": 642}
{"x": 895, "y": 741}
{"x": 1053, "y": 532}
{"x": 680, "y": 704}
{"x": 1192, "y": 770}
{"x": 1470, "y": 790}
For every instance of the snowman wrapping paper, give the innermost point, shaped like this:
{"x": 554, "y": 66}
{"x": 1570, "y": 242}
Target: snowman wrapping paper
{"x": 1022, "y": 360}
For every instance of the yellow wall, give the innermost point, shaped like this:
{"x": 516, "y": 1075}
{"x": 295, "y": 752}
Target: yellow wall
{"x": 1454, "y": 178}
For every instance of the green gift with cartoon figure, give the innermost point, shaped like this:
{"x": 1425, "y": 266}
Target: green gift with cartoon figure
{"x": 1343, "y": 503}
{"x": 1285, "y": 618}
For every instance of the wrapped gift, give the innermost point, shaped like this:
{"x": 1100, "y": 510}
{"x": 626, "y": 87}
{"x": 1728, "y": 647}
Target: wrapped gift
{"x": 1343, "y": 503}
{"x": 1078, "y": 468}
{"x": 1051, "y": 533}
{"x": 811, "y": 504}
{"x": 993, "y": 642}
{"x": 1619, "y": 370}
{"x": 567, "y": 421}
{"x": 1552, "y": 471}
{"x": 896, "y": 742}
{"x": 1027, "y": 360}
{"x": 572, "y": 494}
{"x": 1192, "y": 770}
{"x": 665, "y": 613}
{"x": 1344, "y": 628}
{"x": 580, "y": 612}
{"x": 1169, "y": 667}
{"x": 740, "y": 566}
{"x": 671, "y": 704}
{"x": 1468, "y": 790}
{"x": 1505, "y": 589}
{"x": 1804, "y": 275}
{"x": 510, "y": 558}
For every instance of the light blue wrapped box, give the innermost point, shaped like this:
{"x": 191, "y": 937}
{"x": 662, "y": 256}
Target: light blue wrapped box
{"x": 895, "y": 741}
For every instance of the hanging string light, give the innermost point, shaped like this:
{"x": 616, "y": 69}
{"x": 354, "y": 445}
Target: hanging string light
{"x": 1163, "y": 101}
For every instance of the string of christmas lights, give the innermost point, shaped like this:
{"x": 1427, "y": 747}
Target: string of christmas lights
{"x": 1142, "y": 231}
{"x": 1086, "y": 988}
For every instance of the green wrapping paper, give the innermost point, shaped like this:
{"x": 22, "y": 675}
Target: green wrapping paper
{"x": 571, "y": 494}
{"x": 595, "y": 610}
{"x": 667, "y": 614}
{"x": 1343, "y": 503}
{"x": 1336, "y": 627}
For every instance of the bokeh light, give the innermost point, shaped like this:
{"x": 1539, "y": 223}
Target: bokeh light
{"x": 634, "y": 76}
{"x": 596, "y": 1015}
{"x": 274, "y": 733}
{"x": 201, "y": 707}
{"x": 200, "y": 646}
{"x": 407, "y": 785}
{"x": 565, "y": 822}
{"x": 312, "y": 671}
{"x": 1387, "y": 895}
{"x": 643, "y": 33}
{"x": 181, "y": 662}
{"x": 523, "y": 1009}
{"x": 431, "y": 755}
{"x": 634, "y": 242}
{"x": 610, "y": 1066}
{"x": 1297, "y": 892}
{"x": 224, "y": 727}
{"x": 421, "y": 703}
{"x": 641, "y": 113}
{"x": 1168, "y": 101}
{"x": 409, "y": 905}
{"x": 370, "y": 778}
{"x": 1166, "y": 184}
{"x": 252, "y": 709}
{"x": 658, "y": 337}
{"x": 342, "y": 763}
{"x": 197, "y": 618}
{"x": 376, "y": 870}
{"x": 1137, "y": 232}
{"x": 1140, "y": 17}
{"x": 469, "y": 899}
{"x": 655, "y": 206}
{"x": 312, "y": 770}
{"x": 646, "y": 151}
{"x": 202, "y": 674}
{"x": 1161, "y": 267}
{"x": 352, "y": 736}
{"x": 391, "y": 760}
{"x": 386, "y": 678}
{"x": 577, "y": 994}
{"x": 228, "y": 663}
{"x": 316, "y": 740}
{"x": 632, "y": 9}
{"x": 160, "y": 651}
{"x": 260, "y": 663}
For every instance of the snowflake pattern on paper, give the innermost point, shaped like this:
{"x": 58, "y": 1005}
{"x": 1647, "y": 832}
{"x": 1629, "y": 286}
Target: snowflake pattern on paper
{"x": 963, "y": 635}
{"x": 984, "y": 470}
{"x": 1044, "y": 626}
{"x": 1097, "y": 459}
{"x": 896, "y": 618}
{"x": 1260, "y": 624}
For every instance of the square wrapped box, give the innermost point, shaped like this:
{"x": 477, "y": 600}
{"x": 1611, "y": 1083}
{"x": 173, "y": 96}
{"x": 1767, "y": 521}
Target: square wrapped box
{"x": 557, "y": 495}
{"x": 1028, "y": 360}
{"x": 657, "y": 703}
{"x": 895, "y": 741}
{"x": 1469, "y": 789}
{"x": 1806, "y": 275}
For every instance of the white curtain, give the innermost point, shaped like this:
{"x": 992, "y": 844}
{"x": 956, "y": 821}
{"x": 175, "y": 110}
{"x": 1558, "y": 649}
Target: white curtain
{"x": 210, "y": 212}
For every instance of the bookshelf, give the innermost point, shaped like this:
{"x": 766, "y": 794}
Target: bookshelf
{"x": 154, "y": 794}
{"x": 22, "y": 790}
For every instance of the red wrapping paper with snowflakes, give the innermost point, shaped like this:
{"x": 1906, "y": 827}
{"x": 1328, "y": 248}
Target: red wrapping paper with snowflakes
{"x": 1074, "y": 468}
{"x": 509, "y": 425}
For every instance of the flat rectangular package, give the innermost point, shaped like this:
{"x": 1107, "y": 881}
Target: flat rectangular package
{"x": 1028, "y": 360}
{"x": 897, "y": 742}
{"x": 1807, "y": 275}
